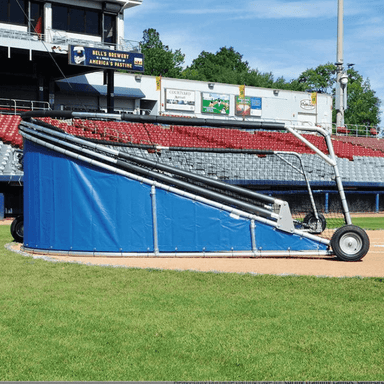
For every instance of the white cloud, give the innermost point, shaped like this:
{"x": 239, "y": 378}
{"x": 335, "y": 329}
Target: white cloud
{"x": 189, "y": 44}
{"x": 319, "y": 48}
{"x": 203, "y": 11}
{"x": 370, "y": 31}
{"x": 271, "y": 9}
{"x": 278, "y": 9}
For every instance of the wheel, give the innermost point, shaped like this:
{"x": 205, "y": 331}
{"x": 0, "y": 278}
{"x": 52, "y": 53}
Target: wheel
{"x": 17, "y": 229}
{"x": 315, "y": 225}
{"x": 13, "y": 225}
{"x": 350, "y": 243}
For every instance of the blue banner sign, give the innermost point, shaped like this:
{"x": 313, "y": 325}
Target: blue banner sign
{"x": 255, "y": 102}
{"x": 105, "y": 58}
{"x": 248, "y": 106}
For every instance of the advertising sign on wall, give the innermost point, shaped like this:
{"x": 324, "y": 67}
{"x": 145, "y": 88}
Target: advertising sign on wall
{"x": 307, "y": 105}
{"x": 105, "y": 58}
{"x": 314, "y": 98}
{"x": 215, "y": 103}
{"x": 248, "y": 106}
{"x": 158, "y": 83}
{"x": 180, "y": 100}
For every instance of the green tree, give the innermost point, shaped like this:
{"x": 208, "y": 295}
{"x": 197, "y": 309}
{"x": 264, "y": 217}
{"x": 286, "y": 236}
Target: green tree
{"x": 255, "y": 78}
{"x": 227, "y": 66}
{"x": 159, "y": 59}
{"x": 363, "y": 104}
{"x": 321, "y": 79}
{"x": 224, "y": 66}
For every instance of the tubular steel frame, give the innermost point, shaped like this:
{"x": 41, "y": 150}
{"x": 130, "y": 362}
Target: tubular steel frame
{"x": 121, "y": 163}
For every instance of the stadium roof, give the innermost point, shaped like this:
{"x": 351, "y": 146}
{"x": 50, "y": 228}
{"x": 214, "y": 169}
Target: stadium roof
{"x": 77, "y": 86}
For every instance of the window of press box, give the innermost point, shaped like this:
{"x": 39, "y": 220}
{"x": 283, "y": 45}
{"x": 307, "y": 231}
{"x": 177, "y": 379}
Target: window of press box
{"x": 78, "y": 20}
{"x": 12, "y": 11}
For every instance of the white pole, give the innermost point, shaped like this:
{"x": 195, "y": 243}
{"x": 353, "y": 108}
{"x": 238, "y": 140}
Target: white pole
{"x": 339, "y": 64}
{"x": 340, "y": 31}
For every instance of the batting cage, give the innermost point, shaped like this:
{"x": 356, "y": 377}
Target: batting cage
{"x": 129, "y": 185}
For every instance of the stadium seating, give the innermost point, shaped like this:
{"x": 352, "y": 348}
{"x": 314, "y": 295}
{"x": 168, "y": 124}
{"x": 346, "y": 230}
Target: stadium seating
{"x": 9, "y": 130}
{"x": 204, "y": 137}
{"x": 359, "y": 159}
{"x": 365, "y": 142}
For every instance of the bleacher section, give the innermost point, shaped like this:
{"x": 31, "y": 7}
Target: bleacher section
{"x": 10, "y": 163}
{"x": 200, "y": 137}
{"x": 186, "y": 136}
{"x": 359, "y": 159}
{"x": 373, "y": 143}
{"x": 9, "y": 130}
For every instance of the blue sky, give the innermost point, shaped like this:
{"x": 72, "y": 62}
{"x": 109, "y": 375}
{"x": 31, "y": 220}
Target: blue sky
{"x": 280, "y": 36}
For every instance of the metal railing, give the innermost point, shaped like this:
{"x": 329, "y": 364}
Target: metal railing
{"x": 351, "y": 130}
{"x": 20, "y": 35}
{"x": 16, "y": 105}
{"x": 63, "y": 39}
{"x": 355, "y": 130}
{"x": 55, "y": 37}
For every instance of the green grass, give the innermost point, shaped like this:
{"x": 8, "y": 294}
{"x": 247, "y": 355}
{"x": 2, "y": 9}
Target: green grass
{"x": 368, "y": 223}
{"x": 71, "y": 322}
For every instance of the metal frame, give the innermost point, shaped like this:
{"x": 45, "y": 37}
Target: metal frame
{"x": 331, "y": 160}
{"x": 302, "y": 171}
{"x": 132, "y": 167}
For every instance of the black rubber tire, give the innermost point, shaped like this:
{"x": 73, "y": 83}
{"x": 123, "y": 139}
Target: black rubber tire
{"x": 311, "y": 221}
{"x": 350, "y": 243}
{"x": 17, "y": 229}
{"x": 13, "y": 225}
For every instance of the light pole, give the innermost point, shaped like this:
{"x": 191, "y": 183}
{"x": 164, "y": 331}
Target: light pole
{"x": 341, "y": 78}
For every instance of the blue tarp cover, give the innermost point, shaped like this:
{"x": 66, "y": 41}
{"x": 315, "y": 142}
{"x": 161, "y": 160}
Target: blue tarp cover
{"x": 72, "y": 206}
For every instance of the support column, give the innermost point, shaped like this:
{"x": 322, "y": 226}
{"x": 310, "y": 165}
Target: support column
{"x": 341, "y": 78}
{"x": 51, "y": 90}
{"x": 326, "y": 202}
{"x": 110, "y": 73}
{"x": 154, "y": 221}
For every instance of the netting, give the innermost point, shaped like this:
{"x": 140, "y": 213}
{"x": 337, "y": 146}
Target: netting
{"x": 285, "y": 176}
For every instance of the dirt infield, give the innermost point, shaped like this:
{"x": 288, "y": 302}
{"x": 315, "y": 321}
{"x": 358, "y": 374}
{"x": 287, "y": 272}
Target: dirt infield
{"x": 372, "y": 265}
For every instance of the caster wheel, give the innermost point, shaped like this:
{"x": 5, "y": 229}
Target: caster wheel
{"x": 350, "y": 243}
{"x": 315, "y": 225}
{"x": 17, "y": 229}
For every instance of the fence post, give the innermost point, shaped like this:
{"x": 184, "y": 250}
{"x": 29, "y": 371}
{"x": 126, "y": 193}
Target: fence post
{"x": 326, "y": 202}
{"x": 1, "y": 206}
